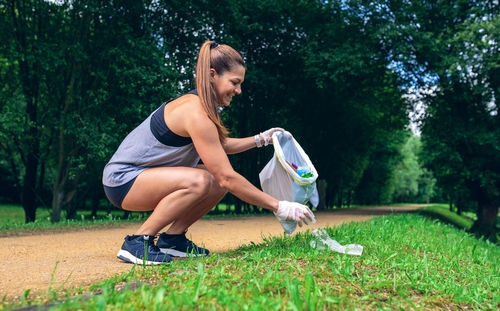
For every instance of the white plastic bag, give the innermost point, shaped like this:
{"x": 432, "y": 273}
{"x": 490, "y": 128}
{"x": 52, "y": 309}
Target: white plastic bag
{"x": 279, "y": 178}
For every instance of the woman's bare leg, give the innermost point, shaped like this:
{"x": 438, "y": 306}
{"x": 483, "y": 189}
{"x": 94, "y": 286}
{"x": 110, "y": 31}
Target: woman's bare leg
{"x": 175, "y": 194}
{"x": 215, "y": 194}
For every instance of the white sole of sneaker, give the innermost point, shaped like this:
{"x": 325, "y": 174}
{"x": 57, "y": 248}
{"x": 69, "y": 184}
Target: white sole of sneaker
{"x": 128, "y": 257}
{"x": 175, "y": 253}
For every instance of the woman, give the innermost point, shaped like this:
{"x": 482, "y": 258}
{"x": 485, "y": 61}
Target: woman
{"x": 156, "y": 168}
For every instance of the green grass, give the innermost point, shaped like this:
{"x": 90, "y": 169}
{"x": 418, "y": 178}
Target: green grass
{"x": 464, "y": 221}
{"x": 442, "y": 212}
{"x": 409, "y": 262}
{"x": 12, "y": 219}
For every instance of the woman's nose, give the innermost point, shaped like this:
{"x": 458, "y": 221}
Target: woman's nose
{"x": 238, "y": 90}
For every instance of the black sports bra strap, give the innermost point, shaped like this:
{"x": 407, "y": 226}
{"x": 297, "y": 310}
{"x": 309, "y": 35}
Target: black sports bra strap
{"x": 161, "y": 131}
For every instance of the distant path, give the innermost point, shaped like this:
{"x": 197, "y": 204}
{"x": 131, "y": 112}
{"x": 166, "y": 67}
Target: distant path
{"x": 88, "y": 257}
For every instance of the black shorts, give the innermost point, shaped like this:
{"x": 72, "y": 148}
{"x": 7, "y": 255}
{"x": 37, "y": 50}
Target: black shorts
{"x": 117, "y": 194}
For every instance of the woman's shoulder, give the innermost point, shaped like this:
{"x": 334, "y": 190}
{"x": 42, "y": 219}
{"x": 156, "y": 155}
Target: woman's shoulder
{"x": 184, "y": 112}
{"x": 187, "y": 102}
{"x": 190, "y": 105}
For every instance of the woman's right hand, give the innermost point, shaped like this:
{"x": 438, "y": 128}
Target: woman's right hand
{"x": 265, "y": 138}
{"x": 294, "y": 211}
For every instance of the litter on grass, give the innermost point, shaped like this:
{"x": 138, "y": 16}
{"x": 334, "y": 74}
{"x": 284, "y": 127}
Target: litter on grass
{"x": 324, "y": 241}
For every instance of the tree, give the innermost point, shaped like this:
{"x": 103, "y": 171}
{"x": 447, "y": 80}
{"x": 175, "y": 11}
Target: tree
{"x": 408, "y": 171}
{"x": 470, "y": 167}
{"x": 322, "y": 70}
{"x": 386, "y": 171}
{"x": 454, "y": 45}
{"x": 28, "y": 49}
{"x": 89, "y": 72}
{"x": 355, "y": 100}
{"x": 314, "y": 68}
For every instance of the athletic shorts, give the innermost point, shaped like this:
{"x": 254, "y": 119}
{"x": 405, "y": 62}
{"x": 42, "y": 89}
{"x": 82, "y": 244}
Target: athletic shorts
{"x": 117, "y": 194}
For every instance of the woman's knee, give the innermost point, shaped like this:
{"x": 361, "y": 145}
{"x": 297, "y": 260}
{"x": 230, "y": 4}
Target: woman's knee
{"x": 215, "y": 187}
{"x": 202, "y": 183}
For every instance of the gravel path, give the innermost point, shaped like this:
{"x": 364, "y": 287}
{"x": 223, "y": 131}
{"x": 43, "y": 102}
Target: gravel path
{"x": 87, "y": 257}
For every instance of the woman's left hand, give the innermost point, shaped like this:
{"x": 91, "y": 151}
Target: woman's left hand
{"x": 265, "y": 138}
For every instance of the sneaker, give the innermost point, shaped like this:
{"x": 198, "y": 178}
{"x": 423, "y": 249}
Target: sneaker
{"x": 141, "y": 249}
{"x": 178, "y": 245}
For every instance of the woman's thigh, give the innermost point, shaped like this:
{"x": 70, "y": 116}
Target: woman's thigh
{"x": 153, "y": 184}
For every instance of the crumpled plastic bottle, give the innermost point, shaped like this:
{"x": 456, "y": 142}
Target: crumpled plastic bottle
{"x": 302, "y": 171}
{"x": 323, "y": 241}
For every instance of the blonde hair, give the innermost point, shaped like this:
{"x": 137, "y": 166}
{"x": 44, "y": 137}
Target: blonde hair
{"x": 221, "y": 58}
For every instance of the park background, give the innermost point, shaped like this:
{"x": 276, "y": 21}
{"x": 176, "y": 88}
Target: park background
{"x": 346, "y": 78}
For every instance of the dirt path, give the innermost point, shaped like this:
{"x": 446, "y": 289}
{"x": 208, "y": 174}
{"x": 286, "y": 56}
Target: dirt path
{"x": 87, "y": 257}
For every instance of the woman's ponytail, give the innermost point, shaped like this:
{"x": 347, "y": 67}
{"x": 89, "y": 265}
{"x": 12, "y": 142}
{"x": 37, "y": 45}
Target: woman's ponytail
{"x": 206, "y": 91}
{"x": 221, "y": 58}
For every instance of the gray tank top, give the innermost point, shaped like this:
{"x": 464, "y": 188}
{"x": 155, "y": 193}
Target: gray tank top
{"x": 151, "y": 144}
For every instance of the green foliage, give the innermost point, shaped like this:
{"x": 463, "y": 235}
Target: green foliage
{"x": 396, "y": 173}
{"x": 408, "y": 170}
{"x": 90, "y": 72}
{"x": 409, "y": 262}
{"x": 412, "y": 181}
{"x": 380, "y": 178}
{"x": 329, "y": 85}
{"x": 452, "y": 50}
{"x": 78, "y": 76}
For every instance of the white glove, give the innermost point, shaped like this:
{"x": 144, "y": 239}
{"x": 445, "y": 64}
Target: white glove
{"x": 290, "y": 214}
{"x": 266, "y": 136}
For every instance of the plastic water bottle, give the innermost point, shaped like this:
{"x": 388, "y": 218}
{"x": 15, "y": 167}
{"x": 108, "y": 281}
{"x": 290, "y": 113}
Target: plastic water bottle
{"x": 324, "y": 241}
{"x": 301, "y": 171}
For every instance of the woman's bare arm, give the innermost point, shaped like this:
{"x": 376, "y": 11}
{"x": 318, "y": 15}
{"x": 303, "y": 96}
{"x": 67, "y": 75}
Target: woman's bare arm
{"x": 237, "y": 145}
{"x": 206, "y": 141}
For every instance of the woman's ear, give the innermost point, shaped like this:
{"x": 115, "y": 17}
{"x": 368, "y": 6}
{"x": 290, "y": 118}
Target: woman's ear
{"x": 212, "y": 73}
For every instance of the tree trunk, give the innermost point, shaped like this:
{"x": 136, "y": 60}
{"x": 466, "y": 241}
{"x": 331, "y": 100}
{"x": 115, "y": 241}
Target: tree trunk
{"x": 64, "y": 151}
{"x": 31, "y": 165}
{"x": 29, "y": 186}
{"x": 58, "y": 188}
{"x": 39, "y": 186}
{"x": 488, "y": 202}
{"x": 485, "y": 225}
{"x": 71, "y": 203}
{"x": 28, "y": 71}
{"x": 349, "y": 198}
{"x": 57, "y": 203}
{"x": 63, "y": 190}
{"x": 339, "y": 199}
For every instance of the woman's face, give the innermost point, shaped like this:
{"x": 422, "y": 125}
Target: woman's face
{"x": 229, "y": 83}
